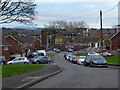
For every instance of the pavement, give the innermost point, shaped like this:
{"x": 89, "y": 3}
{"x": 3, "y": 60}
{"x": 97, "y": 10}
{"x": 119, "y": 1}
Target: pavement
{"x": 27, "y": 79}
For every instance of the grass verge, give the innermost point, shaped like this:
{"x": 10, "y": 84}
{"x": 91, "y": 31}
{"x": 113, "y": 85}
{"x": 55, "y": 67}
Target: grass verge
{"x": 113, "y": 59}
{"x": 11, "y": 70}
{"x": 49, "y": 54}
{"x": 81, "y": 54}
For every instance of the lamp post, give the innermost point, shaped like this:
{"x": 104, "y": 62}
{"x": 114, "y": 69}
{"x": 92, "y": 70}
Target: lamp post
{"x": 78, "y": 43}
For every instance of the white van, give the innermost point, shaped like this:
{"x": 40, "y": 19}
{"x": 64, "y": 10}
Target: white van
{"x": 42, "y": 51}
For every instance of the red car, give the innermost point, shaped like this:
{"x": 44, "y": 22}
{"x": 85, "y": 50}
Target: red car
{"x": 75, "y": 60}
{"x": 104, "y": 50}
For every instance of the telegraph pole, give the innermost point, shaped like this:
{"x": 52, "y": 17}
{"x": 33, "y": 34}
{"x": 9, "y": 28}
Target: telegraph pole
{"x": 101, "y": 32}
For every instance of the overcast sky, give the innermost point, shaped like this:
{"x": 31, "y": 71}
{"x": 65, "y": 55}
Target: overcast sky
{"x": 74, "y": 10}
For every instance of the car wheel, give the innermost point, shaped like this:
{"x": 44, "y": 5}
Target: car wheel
{"x": 91, "y": 64}
{"x": 85, "y": 64}
{"x": 37, "y": 62}
{"x": 25, "y": 63}
{"x": 2, "y": 63}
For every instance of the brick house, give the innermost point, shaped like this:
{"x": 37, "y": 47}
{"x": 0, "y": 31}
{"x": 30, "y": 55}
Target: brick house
{"x": 21, "y": 45}
{"x": 68, "y": 39}
{"x": 107, "y": 34}
{"x": 16, "y": 44}
{"x": 5, "y": 48}
{"x": 114, "y": 42}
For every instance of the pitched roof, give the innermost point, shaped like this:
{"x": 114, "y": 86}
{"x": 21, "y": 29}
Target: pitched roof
{"x": 4, "y": 41}
{"x": 104, "y": 30}
{"x": 114, "y": 36}
{"x": 23, "y": 40}
{"x": 67, "y": 32}
{"x": 15, "y": 39}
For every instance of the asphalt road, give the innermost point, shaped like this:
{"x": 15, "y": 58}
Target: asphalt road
{"x": 78, "y": 76}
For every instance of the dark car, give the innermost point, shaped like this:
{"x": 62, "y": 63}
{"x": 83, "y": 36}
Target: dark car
{"x": 95, "y": 61}
{"x": 57, "y": 50}
{"x": 65, "y": 54}
{"x": 2, "y": 61}
{"x": 98, "y": 61}
{"x": 87, "y": 60}
{"x": 41, "y": 59}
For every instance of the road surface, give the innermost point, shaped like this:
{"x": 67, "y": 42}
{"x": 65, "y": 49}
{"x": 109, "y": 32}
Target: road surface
{"x": 78, "y": 76}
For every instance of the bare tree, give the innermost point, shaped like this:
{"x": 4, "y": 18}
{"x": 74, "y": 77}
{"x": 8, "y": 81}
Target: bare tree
{"x": 57, "y": 25}
{"x": 17, "y": 10}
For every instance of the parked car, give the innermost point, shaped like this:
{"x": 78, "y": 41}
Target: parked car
{"x": 34, "y": 58}
{"x": 75, "y": 59}
{"x": 98, "y": 61}
{"x": 67, "y": 56}
{"x": 107, "y": 54}
{"x": 104, "y": 50}
{"x": 2, "y": 60}
{"x": 70, "y": 50}
{"x": 81, "y": 60}
{"x": 42, "y": 59}
{"x": 87, "y": 60}
{"x": 54, "y": 49}
{"x": 92, "y": 53}
{"x": 71, "y": 58}
{"x": 57, "y": 50}
{"x": 19, "y": 60}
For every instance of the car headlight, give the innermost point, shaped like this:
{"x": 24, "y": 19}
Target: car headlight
{"x": 105, "y": 61}
{"x": 94, "y": 61}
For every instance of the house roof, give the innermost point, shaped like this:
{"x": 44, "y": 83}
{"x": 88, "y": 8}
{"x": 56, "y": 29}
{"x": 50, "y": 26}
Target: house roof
{"x": 104, "y": 30}
{"x": 25, "y": 40}
{"x": 4, "y": 41}
{"x": 67, "y": 32}
{"x": 114, "y": 36}
{"x": 16, "y": 39}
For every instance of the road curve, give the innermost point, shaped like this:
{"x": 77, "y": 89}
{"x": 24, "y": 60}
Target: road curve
{"x": 78, "y": 76}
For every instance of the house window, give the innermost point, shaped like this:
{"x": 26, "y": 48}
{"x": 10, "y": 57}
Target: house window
{"x": 5, "y": 48}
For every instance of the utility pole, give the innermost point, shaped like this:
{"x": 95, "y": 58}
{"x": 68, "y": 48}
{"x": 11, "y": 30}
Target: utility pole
{"x": 101, "y": 32}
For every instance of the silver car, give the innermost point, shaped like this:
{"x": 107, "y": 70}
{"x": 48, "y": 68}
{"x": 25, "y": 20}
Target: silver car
{"x": 107, "y": 54}
{"x": 81, "y": 60}
{"x": 41, "y": 59}
{"x": 71, "y": 58}
{"x": 19, "y": 60}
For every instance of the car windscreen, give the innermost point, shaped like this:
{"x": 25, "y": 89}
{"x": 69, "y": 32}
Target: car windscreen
{"x": 82, "y": 57}
{"x": 40, "y": 54}
{"x": 98, "y": 57}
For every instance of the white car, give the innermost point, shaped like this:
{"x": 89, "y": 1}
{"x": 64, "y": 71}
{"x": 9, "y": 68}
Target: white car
{"x": 107, "y": 54}
{"x": 68, "y": 56}
{"x": 92, "y": 53}
{"x": 19, "y": 60}
{"x": 81, "y": 60}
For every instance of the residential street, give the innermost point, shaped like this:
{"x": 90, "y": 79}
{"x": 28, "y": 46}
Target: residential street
{"x": 78, "y": 76}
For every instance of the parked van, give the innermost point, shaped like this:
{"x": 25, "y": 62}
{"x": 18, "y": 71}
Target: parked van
{"x": 41, "y": 51}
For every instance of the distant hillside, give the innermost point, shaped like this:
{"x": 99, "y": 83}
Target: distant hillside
{"x": 27, "y": 31}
